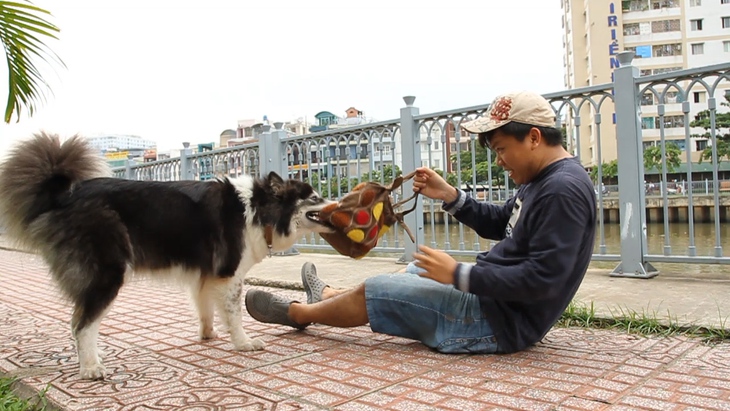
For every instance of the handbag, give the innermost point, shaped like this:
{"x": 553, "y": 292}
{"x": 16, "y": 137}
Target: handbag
{"x": 363, "y": 215}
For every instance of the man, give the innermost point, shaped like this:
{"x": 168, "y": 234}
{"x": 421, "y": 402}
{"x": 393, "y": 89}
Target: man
{"x": 512, "y": 295}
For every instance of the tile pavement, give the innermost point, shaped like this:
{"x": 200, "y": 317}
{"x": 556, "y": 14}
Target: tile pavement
{"x": 149, "y": 341}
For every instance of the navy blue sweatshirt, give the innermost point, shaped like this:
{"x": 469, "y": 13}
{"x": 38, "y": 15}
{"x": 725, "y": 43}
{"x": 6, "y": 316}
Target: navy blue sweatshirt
{"x": 546, "y": 234}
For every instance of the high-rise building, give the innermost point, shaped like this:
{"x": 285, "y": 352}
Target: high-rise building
{"x": 665, "y": 35}
{"x": 119, "y": 142}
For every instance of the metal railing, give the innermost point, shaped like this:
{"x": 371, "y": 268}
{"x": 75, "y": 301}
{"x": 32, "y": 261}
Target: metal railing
{"x": 334, "y": 161}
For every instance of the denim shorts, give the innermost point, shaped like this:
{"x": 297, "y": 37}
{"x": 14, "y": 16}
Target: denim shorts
{"x": 440, "y": 316}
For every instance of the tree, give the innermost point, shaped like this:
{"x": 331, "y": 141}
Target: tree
{"x": 22, "y": 30}
{"x": 386, "y": 171}
{"x": 722, "y": 121}
{"x": 484, "y": 160}
{"x": 653, "y": 157}
{"x": 609, "y": 170}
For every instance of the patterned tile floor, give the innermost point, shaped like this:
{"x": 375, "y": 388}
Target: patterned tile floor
{"x": 156, "y": 362}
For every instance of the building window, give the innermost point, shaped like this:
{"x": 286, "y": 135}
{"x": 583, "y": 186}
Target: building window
{"x": 670, "y": 122}
{"x": 726, "y": 46}
{"x": 631, "y": 29}
{"x": 724, "y": 1}
{"x": 696, "y": 25}
{"x": 647, "y": 99}
{"x": 698, "y": 48}
{"x": 664, "y": 26}
{"x": 666, "y": 70}
{"x": 700, "y": 97}
{"x": 695, "y": 3}
{"x": 664, "y": 4}
{"x": 679, "y": 143}
{"x": 725, "y": 22}
{"x": 700, "y": 145}
{"x": 647, "y": 123}
{"x": 664, "y": 50}
{"x": 672, "y": 97}
{"x": 634, "y": 5}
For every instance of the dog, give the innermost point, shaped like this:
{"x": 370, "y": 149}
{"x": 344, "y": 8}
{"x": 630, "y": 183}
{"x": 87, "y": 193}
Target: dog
{"x": 94, "y": 232}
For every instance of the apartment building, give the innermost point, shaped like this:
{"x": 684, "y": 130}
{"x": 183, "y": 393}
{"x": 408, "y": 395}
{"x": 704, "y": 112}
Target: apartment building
{"x": 665, "y": 35}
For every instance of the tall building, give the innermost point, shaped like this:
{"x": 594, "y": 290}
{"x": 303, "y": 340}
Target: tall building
{"x": 117, "y": 148}
{"x": 119, "y": 142}
{"x": 665, "y": 35}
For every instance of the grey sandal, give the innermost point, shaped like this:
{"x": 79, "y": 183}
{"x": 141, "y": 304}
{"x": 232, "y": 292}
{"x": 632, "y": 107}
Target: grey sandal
{"x": 313, "y": 286}
{"x": 270, "y": 308}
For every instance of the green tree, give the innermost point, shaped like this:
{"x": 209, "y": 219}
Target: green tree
{"x": 484, "y": 160}
{"x": 653, "y": 157}
{"x": 22, "y": 31}
{"x": 386, "y": 171}
{"x": 609, "y": 171}
{"x": 452, "y": 179}
{"x": 722, "y": 122}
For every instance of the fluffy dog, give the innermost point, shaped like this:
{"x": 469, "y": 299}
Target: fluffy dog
{"x": 94, "y": 231}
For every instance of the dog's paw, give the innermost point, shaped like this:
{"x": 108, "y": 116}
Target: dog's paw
{"x": 250, "y": 344}
{"x": 207, "y": 333}
{"x": 94, "y": 372}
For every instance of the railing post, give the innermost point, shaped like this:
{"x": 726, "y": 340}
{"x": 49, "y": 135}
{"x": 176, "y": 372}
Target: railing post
{"x": 269, "y": 152}
{"x": 411, "y": 146}
{"x": 186, "y": 166}
{"x": 277, "y": 138}
{"x": 630, "y": 172}
{"x": 128, "y": 170}
{"x": 272, "y": 157}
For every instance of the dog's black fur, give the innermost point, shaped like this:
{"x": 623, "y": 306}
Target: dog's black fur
{"x": 95, "y": 231}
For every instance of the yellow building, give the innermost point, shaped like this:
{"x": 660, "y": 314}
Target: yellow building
{"x": 665, "y": 35}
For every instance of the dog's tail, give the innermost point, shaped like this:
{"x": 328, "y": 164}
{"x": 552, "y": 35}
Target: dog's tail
{"x": 33, "y": 177}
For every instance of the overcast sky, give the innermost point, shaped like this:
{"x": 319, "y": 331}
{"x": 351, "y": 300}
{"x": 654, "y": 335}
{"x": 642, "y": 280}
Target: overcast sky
{"x": 174, "y": 71}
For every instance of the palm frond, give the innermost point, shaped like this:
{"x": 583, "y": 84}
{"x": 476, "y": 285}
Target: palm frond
{"x": 22, "y": 30}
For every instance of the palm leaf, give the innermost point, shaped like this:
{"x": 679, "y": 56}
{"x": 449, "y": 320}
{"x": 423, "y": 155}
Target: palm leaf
{"x": 22, "y": 29}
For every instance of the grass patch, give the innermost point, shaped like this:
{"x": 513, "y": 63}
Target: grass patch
{"x": 641, "y": 323}
{"x": 9, "y": 401}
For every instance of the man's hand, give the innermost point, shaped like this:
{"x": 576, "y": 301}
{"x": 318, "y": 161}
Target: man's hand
{"x": 430, "y": 184}
{"x": 439, "y": 266}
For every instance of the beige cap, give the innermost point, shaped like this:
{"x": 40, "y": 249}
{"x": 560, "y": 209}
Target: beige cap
{"x": 523, "y": 107}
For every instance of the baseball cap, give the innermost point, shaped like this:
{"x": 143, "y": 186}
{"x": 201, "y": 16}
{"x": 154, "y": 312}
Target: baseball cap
{"x": 523, "y": 107}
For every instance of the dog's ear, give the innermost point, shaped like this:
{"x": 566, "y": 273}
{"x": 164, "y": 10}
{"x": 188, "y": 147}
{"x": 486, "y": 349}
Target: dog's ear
{"x": 275, "y": 181}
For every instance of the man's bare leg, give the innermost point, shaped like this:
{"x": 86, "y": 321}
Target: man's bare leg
{"x": 339, "y": 308}
{"x": 329, "y": 292}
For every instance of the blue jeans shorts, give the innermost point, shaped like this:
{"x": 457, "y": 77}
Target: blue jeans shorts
{"x": 440, "y": 316}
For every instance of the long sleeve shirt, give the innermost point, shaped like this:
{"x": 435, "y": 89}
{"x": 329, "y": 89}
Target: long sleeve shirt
{"x": 546, "y": 234}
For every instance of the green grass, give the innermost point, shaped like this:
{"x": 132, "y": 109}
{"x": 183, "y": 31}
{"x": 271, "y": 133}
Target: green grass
{"x": 641, "y": 323}
{"x": 9, "y": 401}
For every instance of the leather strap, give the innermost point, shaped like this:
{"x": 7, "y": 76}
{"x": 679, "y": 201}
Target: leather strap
{"x": 269, "y": 236}
{"x": 399, "y": 215}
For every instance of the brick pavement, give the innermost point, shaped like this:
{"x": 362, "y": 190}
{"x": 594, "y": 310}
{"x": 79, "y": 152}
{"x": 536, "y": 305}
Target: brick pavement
{"x": 150, "y": 345}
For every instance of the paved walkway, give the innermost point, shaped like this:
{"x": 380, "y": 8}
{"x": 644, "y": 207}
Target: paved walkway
{"x": 150, "y": 345}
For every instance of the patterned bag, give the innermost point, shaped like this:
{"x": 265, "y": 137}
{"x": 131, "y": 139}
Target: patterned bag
{"x": 362, "y": 216}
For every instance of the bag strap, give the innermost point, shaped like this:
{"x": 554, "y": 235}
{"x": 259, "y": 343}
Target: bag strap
{"x": 399, "y": 215}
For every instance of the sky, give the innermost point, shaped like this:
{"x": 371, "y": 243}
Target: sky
{"x": 174, "y": 71}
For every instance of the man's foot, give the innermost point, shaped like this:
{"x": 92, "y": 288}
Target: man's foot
{"x": 313, "y": 286}
{"x": 270, "y": 308}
